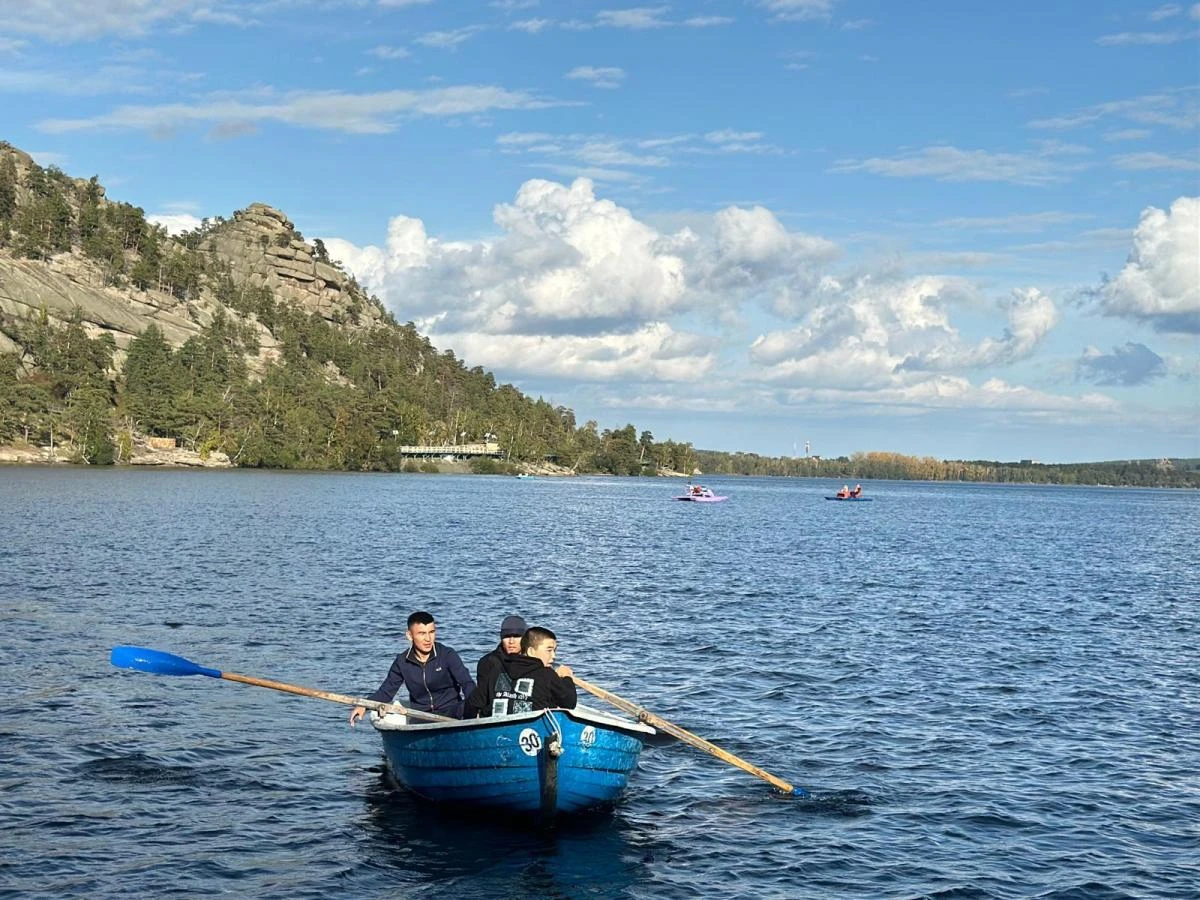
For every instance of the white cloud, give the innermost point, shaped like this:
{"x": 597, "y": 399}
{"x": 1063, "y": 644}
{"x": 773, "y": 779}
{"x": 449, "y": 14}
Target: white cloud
{"x": 383, "y": 51}
{"x": 601, "y": 77}
{"x": 636, "y": 19}
{"x": 209, "y": 16}
{"x": 449, "y": 40}
{"x": 707, "y": 21}
{"x": 530, "y": 26}
{"x": 1160, "y": 282}
{"x": 575, "y": 287}
{"x": 878, "y": 333}
{"x": 72, "y": 20}
{"x": 1144, "y": 161}
{"x": 728, "y": 135}
{"x": 1017, "y": 222}
{"x": 366, "y": 113}
{"x": 175, "y": 223}
{"x": 1145, "y": 38}
{"x": 654, "y": 352}
{"x": 798, "y": 10}
{"x": 1128, "y": 134}
{"x": 951, "y": 164}
{"x": 1170, "y": 109}
{"x": 564, "y": 256}
{"x": 1167, "y": 11}
{"x": 103, "y": 80}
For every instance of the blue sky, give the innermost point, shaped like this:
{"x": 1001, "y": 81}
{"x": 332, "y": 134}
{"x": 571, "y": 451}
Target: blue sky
{"x": 967, "y": 230}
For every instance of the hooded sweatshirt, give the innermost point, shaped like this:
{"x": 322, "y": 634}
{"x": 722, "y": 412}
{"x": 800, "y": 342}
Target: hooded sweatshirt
{"x": 531, "y": 682}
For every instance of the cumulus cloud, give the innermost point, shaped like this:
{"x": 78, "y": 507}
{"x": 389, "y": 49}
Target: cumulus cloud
{"x": 653, "y": 352}
{"x": 1128, "y": 365}
{"x": 175, "y": 223}
{"x": 1160, "y": 283}
{"x": 882, "y": 333}
{"x": 565, "y": 260}
{"x": 574, "y": 287}
{"x": 1031, "y": 315}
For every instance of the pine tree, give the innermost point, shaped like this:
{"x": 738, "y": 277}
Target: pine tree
{"x": 151, "y": 383}
{"x": 8, "y": 192}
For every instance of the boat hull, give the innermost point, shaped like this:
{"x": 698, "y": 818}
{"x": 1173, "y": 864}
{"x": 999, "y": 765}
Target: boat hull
{"x": 852, "y": 499}
{"x": 701, "y": 499}
{"x": 510, "y": 763}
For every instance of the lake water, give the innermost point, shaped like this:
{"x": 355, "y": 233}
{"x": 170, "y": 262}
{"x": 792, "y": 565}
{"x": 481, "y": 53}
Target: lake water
{"x": 991, "y": 691}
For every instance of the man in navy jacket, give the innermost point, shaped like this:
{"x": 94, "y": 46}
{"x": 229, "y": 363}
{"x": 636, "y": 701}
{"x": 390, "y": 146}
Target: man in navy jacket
{"x": 436, "y": 678}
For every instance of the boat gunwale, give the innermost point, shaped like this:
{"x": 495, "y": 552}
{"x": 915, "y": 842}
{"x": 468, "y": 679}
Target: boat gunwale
{"x": 582, "y": 715}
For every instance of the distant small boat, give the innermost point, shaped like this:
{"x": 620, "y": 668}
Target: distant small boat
{"x": 544, "y": 762}
{"x": 853, "y": 499}
{"x": 698, "y": 493}
{"x": 524, "y": 475}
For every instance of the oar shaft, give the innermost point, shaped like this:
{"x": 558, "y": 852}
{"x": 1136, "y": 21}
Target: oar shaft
{"x": 327, "y": 695}
{"x": 684, "y": 735}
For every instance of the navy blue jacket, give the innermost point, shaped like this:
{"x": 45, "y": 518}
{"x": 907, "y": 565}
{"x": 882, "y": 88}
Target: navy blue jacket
{"x": 439, "y": 685}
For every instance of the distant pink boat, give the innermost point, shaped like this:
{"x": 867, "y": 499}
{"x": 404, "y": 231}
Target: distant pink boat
{"x": 698, "y": 493}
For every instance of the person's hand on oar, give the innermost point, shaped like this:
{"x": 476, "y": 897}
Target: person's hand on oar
{"x": 358, "y": 712}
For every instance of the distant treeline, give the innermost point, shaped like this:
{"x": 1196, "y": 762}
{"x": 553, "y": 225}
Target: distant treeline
{"x": 396, "y": 389}
{"x": 894, "y": 466}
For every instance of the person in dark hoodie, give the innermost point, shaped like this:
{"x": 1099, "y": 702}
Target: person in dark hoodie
{"x": 511, "y": 631}
{"x": 436, "y": 678}
{"x": 525, "y": 681}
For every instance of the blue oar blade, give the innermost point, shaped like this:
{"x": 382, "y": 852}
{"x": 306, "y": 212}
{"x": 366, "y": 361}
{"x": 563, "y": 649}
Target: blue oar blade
{"x": 156, "y": 662}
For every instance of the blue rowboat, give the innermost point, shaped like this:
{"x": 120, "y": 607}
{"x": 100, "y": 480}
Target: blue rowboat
{"x": 544, "y": 762}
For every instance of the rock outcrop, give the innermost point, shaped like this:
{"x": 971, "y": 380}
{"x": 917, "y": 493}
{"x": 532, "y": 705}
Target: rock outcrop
{"x": 264, "y": 249}
{"x": 257, "y": 246}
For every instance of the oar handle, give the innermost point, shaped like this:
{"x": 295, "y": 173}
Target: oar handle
{"x": 336, "y": 698}
{"x": 687, "y": 737}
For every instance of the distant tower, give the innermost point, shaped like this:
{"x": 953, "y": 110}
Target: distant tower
{"x": 806, "y": 449}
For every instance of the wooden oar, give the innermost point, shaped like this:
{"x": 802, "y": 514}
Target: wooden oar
{"x": 644, "y": 715}
{"x": 156, "y": 662}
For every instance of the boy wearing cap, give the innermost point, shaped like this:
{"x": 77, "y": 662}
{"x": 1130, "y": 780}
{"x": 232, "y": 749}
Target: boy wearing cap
{"x": 511, "y": 631}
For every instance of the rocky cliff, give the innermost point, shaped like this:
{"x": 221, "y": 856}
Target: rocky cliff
{"x": 67, "y": 250}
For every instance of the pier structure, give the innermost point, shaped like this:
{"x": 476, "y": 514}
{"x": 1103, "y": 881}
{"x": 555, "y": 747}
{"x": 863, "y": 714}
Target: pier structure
{"x": 454, "y": 451}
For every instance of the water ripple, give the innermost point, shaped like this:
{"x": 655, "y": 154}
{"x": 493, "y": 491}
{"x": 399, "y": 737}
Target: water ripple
{"x": 988, "y": 695}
